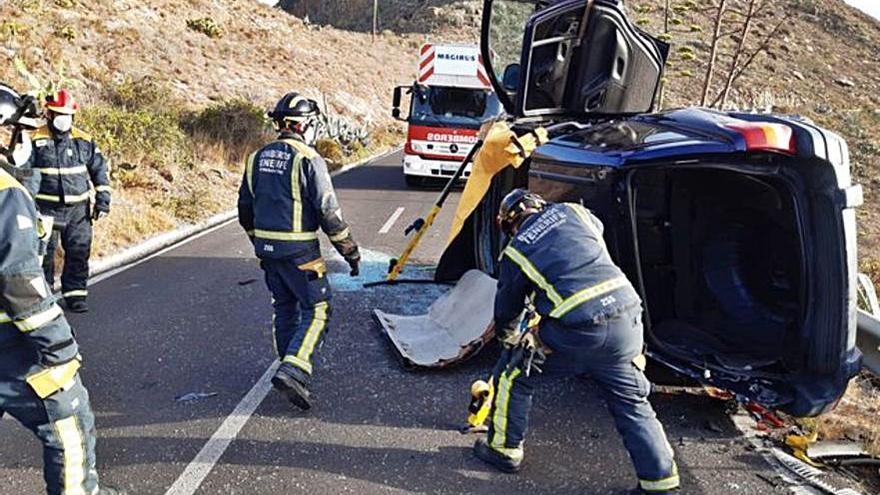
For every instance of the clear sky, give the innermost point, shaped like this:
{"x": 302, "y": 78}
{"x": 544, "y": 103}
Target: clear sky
{"x": 870, "y": 6}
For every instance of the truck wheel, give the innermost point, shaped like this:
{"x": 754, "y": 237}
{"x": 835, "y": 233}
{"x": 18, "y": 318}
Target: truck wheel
{"x": 414, "y": 181}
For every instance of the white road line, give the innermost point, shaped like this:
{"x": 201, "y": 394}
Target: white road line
{"x": 391, "y": 220}
{"x": 197, "y": 470}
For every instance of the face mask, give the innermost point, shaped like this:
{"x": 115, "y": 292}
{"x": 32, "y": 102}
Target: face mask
{"x": 310, "y": 134}
{"x": 62, "y": 123}
{"x": 22, "y": 151}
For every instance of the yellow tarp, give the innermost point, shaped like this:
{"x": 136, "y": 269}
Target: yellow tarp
{"x": 501, "y": 148}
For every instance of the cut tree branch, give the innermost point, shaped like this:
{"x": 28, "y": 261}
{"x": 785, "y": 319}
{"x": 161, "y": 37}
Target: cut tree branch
{"x": 713, "y": 52}
{"x": 765, "y": 43}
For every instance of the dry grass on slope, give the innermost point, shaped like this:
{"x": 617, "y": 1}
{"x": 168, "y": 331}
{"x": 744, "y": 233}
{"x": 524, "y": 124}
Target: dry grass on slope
{"x": 173, "y": 92}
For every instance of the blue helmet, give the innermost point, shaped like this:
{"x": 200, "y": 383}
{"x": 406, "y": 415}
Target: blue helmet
{"x": 516, "y": 207}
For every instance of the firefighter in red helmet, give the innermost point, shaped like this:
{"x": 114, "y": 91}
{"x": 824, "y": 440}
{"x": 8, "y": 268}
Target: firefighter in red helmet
{"x": 70, "y": 164}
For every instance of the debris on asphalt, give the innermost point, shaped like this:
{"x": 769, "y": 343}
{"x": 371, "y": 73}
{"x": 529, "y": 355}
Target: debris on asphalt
{"x": 194, "y": 396}
{"x": 247, "y": 282}
{"x": 808, "y": 474}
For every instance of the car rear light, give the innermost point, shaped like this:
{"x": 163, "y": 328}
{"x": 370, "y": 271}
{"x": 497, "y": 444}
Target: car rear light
{"x": 408, "y": 148}
{"x": 765, "y": 136}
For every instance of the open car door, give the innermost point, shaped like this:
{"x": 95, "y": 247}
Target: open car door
{"x": 579, "y": 59}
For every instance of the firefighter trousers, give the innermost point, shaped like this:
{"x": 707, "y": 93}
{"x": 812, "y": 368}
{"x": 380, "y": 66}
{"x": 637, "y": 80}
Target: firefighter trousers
{"x": 63, "y": 422}
{"x": 300, "y": 298}
{"x": 75, "y": 237}
{"x": 607, "y": 353}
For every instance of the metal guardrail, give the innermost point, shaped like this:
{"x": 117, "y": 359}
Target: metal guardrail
{"x": 868, "y": 340}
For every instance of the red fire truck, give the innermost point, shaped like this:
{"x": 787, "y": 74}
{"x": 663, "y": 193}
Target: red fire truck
{"x": 449, "y": 102}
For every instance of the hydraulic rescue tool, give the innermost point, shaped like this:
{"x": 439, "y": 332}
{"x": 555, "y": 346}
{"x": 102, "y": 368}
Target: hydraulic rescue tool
{"x": 421, "y": 225}
{"x": 527, "y": 352}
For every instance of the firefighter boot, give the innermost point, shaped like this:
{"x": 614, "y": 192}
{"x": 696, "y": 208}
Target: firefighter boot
{"x": 507, "y": 460}
{"x": 77, "y": 304}
{"x": 290, "y": 381}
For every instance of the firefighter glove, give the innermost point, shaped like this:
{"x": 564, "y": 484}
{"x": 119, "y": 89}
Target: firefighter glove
{"x": 509, "y": 335}
{"x": 354, "y": 261}
{"x": 100, "y": 212}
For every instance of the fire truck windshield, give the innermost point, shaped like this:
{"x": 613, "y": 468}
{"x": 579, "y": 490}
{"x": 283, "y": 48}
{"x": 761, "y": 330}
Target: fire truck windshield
{"x": 453, "y": 106}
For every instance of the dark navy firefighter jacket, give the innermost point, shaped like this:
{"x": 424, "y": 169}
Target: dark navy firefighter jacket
{"x": 30, "y": 319}
{"x": 285, "y": 197}
{"x": 69, "y": 165}
{"x": 560, "y": 256}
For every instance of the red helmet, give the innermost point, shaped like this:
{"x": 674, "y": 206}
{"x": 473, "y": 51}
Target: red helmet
{"x": 62, "y": 102}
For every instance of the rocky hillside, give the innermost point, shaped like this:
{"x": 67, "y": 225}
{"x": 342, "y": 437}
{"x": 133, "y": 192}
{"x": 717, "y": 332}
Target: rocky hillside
{"x": 173, "y": 91}
{"x": 204, "y": 51}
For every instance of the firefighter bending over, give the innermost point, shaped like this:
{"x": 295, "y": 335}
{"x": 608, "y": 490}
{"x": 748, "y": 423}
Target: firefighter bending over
{"x": 590, "y": 325}
{"x": 285, "y": 197}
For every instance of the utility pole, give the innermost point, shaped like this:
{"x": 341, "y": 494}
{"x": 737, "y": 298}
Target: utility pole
{"x": 375, "y": 18}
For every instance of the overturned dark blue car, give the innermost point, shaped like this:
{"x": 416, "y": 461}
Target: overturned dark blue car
{"x": 738, "y": 229}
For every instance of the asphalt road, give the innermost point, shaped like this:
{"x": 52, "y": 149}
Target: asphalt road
{"x": 197, "y": 320}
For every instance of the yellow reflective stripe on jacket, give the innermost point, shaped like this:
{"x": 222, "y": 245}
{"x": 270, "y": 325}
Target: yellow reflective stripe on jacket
{"x": 296, "y": 192}
{"x": 529, "y": 269}
{"x": 275, "y": 235}
{"x": 302, "y": 148}
{"x": 340, "y": 236}
{"x": 68, "y": 198}
{"x": 4, "y": 318}
{"x": 38, "y": 320}
{"x": 81, "y": 169}
{"x": 588, "y": 294}
{"x": 103, "y": 189}
{"x": 670, "y": 483}
{"x": 249, "y": 172}
{"x": 8, "y": 182}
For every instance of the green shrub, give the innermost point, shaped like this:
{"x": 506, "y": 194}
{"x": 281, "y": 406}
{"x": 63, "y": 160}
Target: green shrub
{"x": 330, "y": 149}
{"x": 237, "y": 125}
{"x": 138, "y": 137}
{"x": 66, "y": 32}
{"x": 139, "y": 94}
{"x": 206, "y": 26}
{"x": 12, "y": 29}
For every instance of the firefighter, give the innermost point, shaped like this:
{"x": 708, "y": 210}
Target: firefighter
{"x": 285, "y": 197}
{"x": 40, "y": 384}
{"x": 590, "y": 325}
{"x": 19, "y": 114}
{"x": 70, "y": 163}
